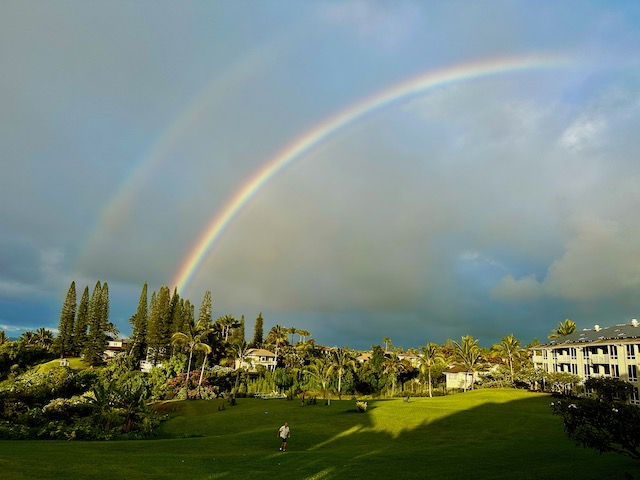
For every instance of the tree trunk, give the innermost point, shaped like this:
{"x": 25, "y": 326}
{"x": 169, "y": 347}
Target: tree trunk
{"x": 202, "y": 372}
{"x": 188, "y": 372}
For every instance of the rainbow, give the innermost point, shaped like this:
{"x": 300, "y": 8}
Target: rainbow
{"x": 211, "y": 95}
{"x": 318, "y": 133}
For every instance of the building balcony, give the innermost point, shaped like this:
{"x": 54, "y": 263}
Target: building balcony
{"x": 564, "y": 359}
{"x": 604, "y": 359}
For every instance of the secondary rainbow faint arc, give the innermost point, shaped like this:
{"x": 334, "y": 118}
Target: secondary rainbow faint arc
{"x": 312, "y": 137}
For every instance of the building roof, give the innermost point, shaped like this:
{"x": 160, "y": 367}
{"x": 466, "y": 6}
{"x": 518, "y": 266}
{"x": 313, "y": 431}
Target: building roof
{"x": 259, "y": 352}
{"x": 623, "y": 331}
{"x": 456, "y": 369}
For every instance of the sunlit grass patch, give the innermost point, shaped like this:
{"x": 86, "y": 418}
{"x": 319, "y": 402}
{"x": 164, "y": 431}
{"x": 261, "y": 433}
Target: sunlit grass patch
{"x": 75, "y": 363}
{"x": 495, "y": 434}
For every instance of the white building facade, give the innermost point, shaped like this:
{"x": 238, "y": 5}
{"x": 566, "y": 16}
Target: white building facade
{"x": 610, "y": 352}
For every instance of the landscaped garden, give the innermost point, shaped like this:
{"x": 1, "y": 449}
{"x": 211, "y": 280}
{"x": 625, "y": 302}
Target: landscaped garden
{"x": 481, "y": 434}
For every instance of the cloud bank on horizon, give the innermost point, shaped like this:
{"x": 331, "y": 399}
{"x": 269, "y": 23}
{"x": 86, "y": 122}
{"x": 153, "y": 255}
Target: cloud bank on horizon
{"x": 500, "y": 204}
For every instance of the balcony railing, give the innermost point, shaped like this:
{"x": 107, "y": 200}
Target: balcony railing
{"x": 599, "y": 358}
{"x": 563, "y": 359}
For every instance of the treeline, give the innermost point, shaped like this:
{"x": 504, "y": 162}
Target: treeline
{"x": 205, "y": 359}
{"x": 86, "y": 329}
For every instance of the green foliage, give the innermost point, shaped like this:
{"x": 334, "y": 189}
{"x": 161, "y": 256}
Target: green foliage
{"x": 82, "y": 323}
{"x": 159, "y": 325}
{"x": 17, "y": 356}
{"x": 258, "y": 332}
{"x": 564, "y": 328}
{"x": 609, "y": 389}
{"x": 67, "y": 322}
{"x": 282, "y": 378}
{"x": 139, "y": 333}
{"x": 98, "y": 316}
{"x": 562, "y": 382}
{"x": 600, "y": 424}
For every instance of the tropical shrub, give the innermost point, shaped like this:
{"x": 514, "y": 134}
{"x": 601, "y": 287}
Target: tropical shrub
{"x": 605, "y": 423}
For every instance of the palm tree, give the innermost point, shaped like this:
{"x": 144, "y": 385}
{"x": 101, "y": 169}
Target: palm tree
{"x": 431, "y": 356}
{"x": 27, "y": 338}
{"x": 564, "y": 328}
{"x": 277, "y": 336}
{"x": 509, "y": 350}
{"x": 226, "y": 323}
{"x": 303, "y": 334}
{"x": 291, "y": 331}
{"x": 321, "y": 369}
{"x": 112, "y": 330}
{"x": 469, "y": 355}
{"x": 43, "y": 338}
{"x": 387, "y": 342}
{"x": 240, "y": 350}
{"x": 192, "y": 339}
{"x": 393, "y": 366}
{"x": 342, "y": 360}
{"x": 206, "y": 348}
{"x": 3, "y": 337}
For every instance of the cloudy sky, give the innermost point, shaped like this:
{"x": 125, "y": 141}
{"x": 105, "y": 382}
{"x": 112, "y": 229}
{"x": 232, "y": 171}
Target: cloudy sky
{"x": 487, "y": 204}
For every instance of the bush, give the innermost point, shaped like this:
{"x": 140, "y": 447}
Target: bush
{"x": 599, "y": 424}
{"x": 361, "y": 406}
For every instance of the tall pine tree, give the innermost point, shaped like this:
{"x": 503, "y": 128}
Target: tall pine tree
{"x": 82, "y": 323}
{"x": 175, "y": 322}
{"x": 158, "y": 329}
{"x": 67, "y": 321}
{"x": 204, "y": 317}
{"x": 139, "y": 323}
{"x": 98, "y": 318}
{"x": 258, "y": 332}
{"x": 105, "y": 310}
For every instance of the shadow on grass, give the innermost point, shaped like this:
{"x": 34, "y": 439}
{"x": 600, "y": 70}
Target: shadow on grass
{"x": 484, "y": 434}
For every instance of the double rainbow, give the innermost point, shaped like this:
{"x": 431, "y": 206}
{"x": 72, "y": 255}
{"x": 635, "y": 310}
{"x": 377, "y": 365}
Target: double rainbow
{"x": 318, "y": 133}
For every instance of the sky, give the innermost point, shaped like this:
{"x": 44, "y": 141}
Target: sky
{"x": 418, "y": 170}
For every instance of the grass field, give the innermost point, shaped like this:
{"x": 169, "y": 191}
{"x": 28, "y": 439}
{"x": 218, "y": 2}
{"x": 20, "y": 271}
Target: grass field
{"x": 483, "y": 434}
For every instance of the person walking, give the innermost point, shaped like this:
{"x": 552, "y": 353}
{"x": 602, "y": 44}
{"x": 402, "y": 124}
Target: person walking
{"x": 284, "y": 432}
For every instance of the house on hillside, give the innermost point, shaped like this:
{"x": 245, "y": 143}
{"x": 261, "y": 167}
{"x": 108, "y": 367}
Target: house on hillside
{"x": 258, "y": 356}
{"x": 364, "y": 357}
{"x": 609, "y": 352}
{"x": 115, "y": 347}
{"x": 459, "y": 378}
{"x": 413, "y": 359}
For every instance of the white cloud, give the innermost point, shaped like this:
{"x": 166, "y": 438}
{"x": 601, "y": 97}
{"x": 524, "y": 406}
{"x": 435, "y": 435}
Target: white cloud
{"x": 512, "y": 289}
{"x": 388, "y": 24}
{"x": 584, "y": 133}
{"x": 478, "y": 259}
{"x": 601, "y": 259}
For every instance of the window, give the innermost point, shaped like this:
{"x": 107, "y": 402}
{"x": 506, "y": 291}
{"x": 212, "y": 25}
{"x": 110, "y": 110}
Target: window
{"x": 544, "y": 354}
{"x": 615, "y": 372}
{"x": 574, "y": 354}
{"x": 633, "y": 373}
{"x": 631, "y": 352}
{"x": 585, "y": 352}
{"x": 587, "y": 372}
{"x": 613, "y": 349}
{"x": 635, "y": 400}
{"x": 574, "y": 368}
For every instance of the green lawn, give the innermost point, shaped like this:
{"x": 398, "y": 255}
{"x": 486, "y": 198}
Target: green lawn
{"x": 75, "y": 363}
{"x": 484, "y": 434}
